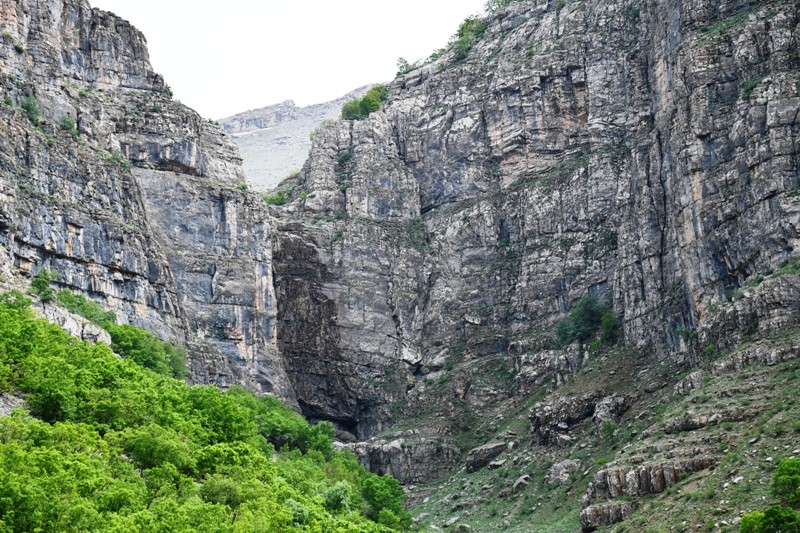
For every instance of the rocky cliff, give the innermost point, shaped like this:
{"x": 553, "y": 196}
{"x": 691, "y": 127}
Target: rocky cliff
{"x": 643, "y": 152}
{"x": 133, "y": 199}
{"x": 412, "y": 289}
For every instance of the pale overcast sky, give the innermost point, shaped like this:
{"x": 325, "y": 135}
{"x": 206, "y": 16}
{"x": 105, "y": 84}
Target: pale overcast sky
{"x": 222, "y": 58}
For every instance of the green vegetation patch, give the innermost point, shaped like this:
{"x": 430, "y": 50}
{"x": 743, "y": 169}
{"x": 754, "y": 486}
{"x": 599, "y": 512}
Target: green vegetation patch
{"x": 589, "y": 316}
{"x": 112, "y": 446}
{"x": 361, "y": 108}
{"x": 469, "y": 32}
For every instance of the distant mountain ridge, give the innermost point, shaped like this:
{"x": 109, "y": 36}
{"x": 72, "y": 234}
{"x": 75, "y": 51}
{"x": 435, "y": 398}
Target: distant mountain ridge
{"x": 274, "y": 140}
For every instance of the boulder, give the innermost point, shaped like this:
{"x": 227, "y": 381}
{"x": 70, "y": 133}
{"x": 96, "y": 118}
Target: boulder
{"x": 483, "y": 455}
{"x": 560, "y": 472}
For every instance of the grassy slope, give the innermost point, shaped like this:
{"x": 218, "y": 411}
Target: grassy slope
{"x": 709, "y": 500}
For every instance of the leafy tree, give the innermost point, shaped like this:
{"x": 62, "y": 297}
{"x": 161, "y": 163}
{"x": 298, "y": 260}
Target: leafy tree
{"x": 588, "y": 315}
{"x": 403, "y": 66}
{"x": 385, "y": 493}
{"x": 777, "y": 519}
{"x": 120, "y": 448}
{"x": 469, "y": 31}
{"x": 91, "y": 311}
{"x": 147, "y": 350}
{"x": 786, "y": 484}
{"x": 337, "y": 497}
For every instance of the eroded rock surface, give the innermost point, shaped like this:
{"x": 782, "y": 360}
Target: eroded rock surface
{"x": 627, "y": 150}
{"x": 131, "y": 198}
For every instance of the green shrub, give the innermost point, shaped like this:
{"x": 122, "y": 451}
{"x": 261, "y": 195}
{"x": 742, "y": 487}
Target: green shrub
{"x": 609, "y": 325}
{"x": 119, "y": 448}
{"x": 147, "y": 350}
{"x": 470, "y": 31}
{"x": 774, "y": 519}
{"x": 68, "y": 124}
{"x": 278, "y": 198}
{"x": 587, "y": 317}
{"x": 31, "y": 108}
{"x": 91, "y": 311}
{"x": 40, "y": 286}
{"x": 300, "y": 513}
{"x": 750, "y": 86}
{"x": 385, "y": 493}
{"x": 361, "y": 109}
{"x": 608, "y": 429}
{"x": 337, "y": 497}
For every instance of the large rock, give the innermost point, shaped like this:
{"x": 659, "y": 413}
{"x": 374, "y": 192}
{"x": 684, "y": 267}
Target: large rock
{"x": 644, "y": 479}
{"x": 596, "y": 516}
{"x": 561, "y": 472}
{"x": 408, "y": 459}
{"x": 483, "y": 455}
{"x": 553, "y": 419}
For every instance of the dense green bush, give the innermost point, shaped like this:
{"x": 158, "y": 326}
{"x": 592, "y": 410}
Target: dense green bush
{"x": 147, "y": 350}
{"x": 120, "y": 448}
{"x": 470, "y": 31}
{"x": 360, "y": 109}
{"x": 143, "y": 347}
{"x": 777, "y": 519}
{"x": 278, "y": 198}
{"x": 774, "y": 519}
{"x": 786, "y": 484}
{"x": 385, "y": 497}
{"x": 40, "y": 286}
{"x": 32, "y": 110}
{"x": 68, "y": 124}
{"x": 91, "y": 311}
{"x": 585, "y": 319}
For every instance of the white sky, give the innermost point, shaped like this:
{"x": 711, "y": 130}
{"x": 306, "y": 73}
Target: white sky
{"x": 222, "y": 58}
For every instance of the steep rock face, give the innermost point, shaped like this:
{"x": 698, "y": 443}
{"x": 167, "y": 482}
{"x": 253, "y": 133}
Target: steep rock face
{"x": 645, "y": 152}
{"x": 133, "y": 199}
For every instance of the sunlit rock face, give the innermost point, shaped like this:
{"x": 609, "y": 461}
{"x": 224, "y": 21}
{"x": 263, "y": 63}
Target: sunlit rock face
{"x": 132, "y": 198}
{"x": 643, "y": 152}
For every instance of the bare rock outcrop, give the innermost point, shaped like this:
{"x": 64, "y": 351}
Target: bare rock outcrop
{"x": 551, "y": 421}
{"x": 132, "y": 198}
{"x": 481, "y": 456}
{"x": 596, "y": 516}
{"x": 643, "y": 480}
{"x": 408, "y": 459}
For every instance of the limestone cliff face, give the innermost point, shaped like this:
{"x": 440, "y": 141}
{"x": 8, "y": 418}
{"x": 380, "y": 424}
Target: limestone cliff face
{"x": 139, "y": 205}
{"x": 641, "y": 151}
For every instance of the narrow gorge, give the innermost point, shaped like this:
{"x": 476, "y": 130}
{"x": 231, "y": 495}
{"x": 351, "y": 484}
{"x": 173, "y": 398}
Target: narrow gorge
{"x": 552, "y": 284}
